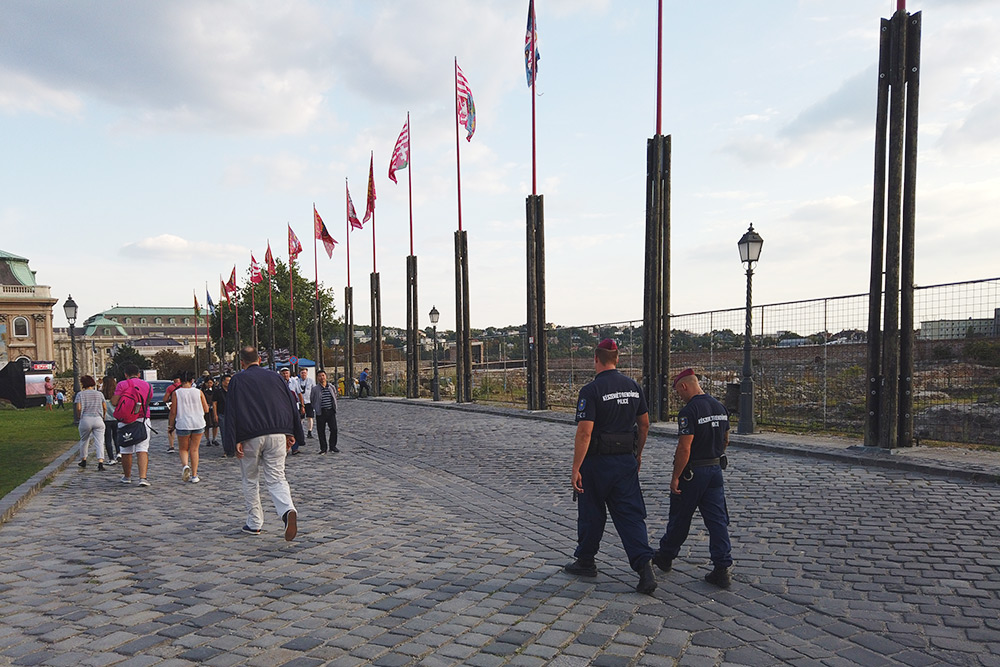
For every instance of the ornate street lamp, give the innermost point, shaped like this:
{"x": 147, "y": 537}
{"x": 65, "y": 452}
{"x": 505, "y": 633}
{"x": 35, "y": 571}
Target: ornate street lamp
{"x": 70, "y": 309}
{"x": 435, "y": 315}
{"x": 750, "y": 245}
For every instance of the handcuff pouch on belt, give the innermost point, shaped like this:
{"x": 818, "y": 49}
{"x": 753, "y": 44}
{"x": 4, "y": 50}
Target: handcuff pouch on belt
{"x": 610, "y": 444}
{"x": 688, "y": 474}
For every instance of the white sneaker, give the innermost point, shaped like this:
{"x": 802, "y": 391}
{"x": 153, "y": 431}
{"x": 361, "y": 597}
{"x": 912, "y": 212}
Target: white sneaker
{"x": 186, "y": 473}
{"x": 195, "y": 479}
{"x": 125, "y": 480}
{"x": 143, "y": 482}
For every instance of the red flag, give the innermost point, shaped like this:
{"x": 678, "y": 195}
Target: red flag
{"x": 370, "y": 206}
{"x": 197, "y": 308}
{"x": 223, "y": 292}
{"x": 322, "y": 234}
{"x": 294, "y": 247}
{"x": 466, "y": 107}
{"x": 401, "y": 153}
{"x": 352, "y": 215}
{"x": 255, "y": 274}
{"x": 269, "y": 260}
{"x": 231, "y": 285}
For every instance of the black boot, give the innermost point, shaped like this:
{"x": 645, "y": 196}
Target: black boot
{"x": 647, "y": 582}
{"x": 661, "y": 561}
{"x": 719, "y": 577}
{"x": 581, "y": 568}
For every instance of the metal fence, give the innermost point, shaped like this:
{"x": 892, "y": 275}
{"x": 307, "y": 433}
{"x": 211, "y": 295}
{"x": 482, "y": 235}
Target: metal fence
{"x": 808, "y": 360}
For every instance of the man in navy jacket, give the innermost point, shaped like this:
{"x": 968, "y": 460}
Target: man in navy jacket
{"x": 262, "y": 424}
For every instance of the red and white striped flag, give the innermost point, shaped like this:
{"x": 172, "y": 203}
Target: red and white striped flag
{"x": 401, "y": 153}
{"x": 466, "y": 107}
{"x": 294, "y": 247}
{"x": 231, "y": 285}
{"x": 328, "y": 242}
{"x": 256, "y": 277}
{"x": 352, "y": 215}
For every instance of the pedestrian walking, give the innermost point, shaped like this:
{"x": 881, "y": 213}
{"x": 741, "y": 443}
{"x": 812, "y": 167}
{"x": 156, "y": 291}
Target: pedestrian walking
{"x": 696, "y": 483}
{"x": 262, "y": 424}
{"x": 88, "y": 406}
{"x": 60, "y": 397}
{"x": 168, "y": 397}
{"x": 211, "y": 422}
{"x": 110, "y": 423}
{"x": 363, "y": 387}
{"x": 306, "y": 385}
{"x": 293, "y": 386}
{"x": 131, "y": 401}
{"x": 612, "y": 422}
{"x": 219, "y": 411}
{"x": 187, "y": 418}
{"x": 324, "y": 397}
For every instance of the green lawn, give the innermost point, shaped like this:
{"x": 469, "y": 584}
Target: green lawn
{"x": 30, "y": 439}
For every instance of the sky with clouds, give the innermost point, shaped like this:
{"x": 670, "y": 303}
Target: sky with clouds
{"x": 149, "y": 147}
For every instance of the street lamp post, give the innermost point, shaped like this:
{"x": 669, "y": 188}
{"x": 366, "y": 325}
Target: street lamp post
{"x": 750, "y": 245}
{"x": 434, "y": 314}
{"x": 70, "y": 309}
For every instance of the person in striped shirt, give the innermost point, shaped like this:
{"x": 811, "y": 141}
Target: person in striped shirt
{"x": 324, "y": 400}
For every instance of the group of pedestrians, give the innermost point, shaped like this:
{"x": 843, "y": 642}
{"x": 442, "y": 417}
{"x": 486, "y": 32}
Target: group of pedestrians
{"x": 612, "y": 425}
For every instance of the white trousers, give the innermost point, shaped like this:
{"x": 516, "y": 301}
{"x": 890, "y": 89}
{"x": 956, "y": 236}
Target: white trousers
{"x": 92, "y": 428}
{"x": 264, "y": 454}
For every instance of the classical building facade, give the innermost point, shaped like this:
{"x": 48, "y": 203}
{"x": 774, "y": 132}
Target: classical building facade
{"x": 25, "y": 313}
{"x": 148, "y": 330}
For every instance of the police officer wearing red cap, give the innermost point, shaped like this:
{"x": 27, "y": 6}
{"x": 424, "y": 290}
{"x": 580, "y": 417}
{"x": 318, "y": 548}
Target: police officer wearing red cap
{"x": 612, "y": 423}
{"x": 703, "y": 428}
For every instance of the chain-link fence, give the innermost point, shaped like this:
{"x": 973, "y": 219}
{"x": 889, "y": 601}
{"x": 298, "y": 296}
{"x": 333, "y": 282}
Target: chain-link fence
{"x": 808, "y": 360}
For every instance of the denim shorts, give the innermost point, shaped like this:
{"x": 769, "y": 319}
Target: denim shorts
{"x": 186, "y": 432}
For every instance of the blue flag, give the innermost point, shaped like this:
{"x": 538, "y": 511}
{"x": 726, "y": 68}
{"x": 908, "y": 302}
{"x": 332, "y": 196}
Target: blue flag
{"x": 211, "y": 306}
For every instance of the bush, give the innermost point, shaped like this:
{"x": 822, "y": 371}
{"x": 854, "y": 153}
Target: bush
{"x": 983, "y": 352}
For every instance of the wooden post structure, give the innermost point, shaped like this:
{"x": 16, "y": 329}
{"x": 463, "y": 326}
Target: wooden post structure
{"x": 348, "y": 341}
{"x": 656, "y": 295}
{"x": 463, "y": 332}
{"x": 889, "y": 386}
{"x": 537, "y": 353}
{"x": 412, "y": 329}
{"x": 375, "y": 377}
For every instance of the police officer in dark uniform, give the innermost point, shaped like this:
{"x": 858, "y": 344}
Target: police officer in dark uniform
{"x": 703, "y": 428}
{"x": 612, "y": 424}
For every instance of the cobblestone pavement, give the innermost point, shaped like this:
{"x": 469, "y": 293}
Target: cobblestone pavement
{"x": 437, "y": 538}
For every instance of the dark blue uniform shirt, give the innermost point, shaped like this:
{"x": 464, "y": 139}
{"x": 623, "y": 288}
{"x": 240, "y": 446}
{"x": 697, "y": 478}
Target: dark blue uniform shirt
{"x": 612, "y": 401}
{"x": 707, "y": 420}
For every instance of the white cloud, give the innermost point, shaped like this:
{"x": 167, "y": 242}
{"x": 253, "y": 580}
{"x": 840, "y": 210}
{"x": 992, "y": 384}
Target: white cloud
{"x": 168, "y": 248}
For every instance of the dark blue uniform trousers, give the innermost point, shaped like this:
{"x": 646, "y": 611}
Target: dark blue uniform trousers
{"x": 612, "y": 482}
{"x": 705, "y": 492}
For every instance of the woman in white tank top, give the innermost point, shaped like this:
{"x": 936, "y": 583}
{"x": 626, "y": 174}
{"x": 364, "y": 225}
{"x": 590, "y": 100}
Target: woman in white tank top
{"x": 187, "y": 417}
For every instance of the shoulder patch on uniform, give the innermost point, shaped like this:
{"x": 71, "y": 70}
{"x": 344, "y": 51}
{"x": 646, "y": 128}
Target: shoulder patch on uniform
{"x": 583, "y": 405}
{"x": 682, "y": 422}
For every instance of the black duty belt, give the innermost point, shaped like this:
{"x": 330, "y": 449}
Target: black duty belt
{"x": 703, "y": 463}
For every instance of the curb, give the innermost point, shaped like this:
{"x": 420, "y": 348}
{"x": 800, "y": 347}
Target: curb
{"x": 860, "y": 455}
{"x": 13, "y": 501}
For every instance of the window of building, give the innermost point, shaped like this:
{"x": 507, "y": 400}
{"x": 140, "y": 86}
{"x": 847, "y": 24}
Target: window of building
{"x": 21, "y": 327}
{"x": 187, "y": 320}
{"x": 128, "y": 320}
{"x": 107, "y": 331}
{"x": 158, "y": 320}
{"x": 172, "y": 320}
{"x": 142, "y": 320}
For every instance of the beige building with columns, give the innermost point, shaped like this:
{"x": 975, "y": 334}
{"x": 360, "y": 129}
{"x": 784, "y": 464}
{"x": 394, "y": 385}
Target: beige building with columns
{"x": 25, "y": 313}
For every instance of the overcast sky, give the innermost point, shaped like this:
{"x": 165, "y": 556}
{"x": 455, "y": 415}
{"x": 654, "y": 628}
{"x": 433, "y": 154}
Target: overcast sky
{"x": 150, "y": 146}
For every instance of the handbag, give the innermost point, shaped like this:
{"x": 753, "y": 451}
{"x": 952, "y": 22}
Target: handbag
{"x": 132, "y": 434}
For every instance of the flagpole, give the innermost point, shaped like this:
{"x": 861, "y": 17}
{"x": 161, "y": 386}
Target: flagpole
{"x": 195, "y": 295}
{"x": 347, "y": 208}
{"x": 409, "y": 174}
{"x": 316, "y": 345}
{"x": 292, "y": 341}
{"x": 222, "y": 331}
{"x": 253, "y": 308}
{"x": 270, "y": 308}
{"x": 458, "y": 151}
{"x": 659, "y": 67}
{"x": 534, "y": 77}
{"x": 237, "y": 300}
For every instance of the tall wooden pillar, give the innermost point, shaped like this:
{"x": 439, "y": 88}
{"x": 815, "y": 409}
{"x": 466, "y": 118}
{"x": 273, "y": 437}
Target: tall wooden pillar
{"x": 375, "y": 378}
{"x": 656, "y": 295}
{"x": 348, "y": 341}
{"x": 537, "y": 353}
{"x": 412, "y": 329}
{"x": 463, "y": 332}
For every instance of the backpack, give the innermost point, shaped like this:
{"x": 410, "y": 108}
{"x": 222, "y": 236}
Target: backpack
{"x": 131, "y": 406}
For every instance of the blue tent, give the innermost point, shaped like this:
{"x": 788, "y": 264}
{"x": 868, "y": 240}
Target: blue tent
{"x": 303, "y": 363}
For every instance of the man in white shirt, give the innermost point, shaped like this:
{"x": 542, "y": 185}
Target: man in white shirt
{"x": 306, "y": 384}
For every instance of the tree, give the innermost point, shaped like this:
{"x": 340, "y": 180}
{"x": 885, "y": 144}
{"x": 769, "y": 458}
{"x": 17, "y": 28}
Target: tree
{"x": 305, "y": 295}
{"x": 167, "y": 364}
{"x": 125, "y": 355}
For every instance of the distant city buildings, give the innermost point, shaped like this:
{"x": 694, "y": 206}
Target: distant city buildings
{"x": 25, "y": 313}
{"x": 987, "y": 327}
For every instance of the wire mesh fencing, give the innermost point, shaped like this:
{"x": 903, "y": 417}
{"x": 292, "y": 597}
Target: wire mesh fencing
{"x": 807, "y": 360}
